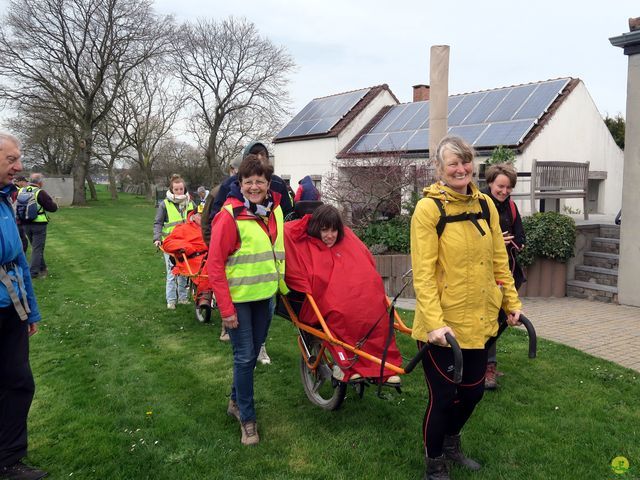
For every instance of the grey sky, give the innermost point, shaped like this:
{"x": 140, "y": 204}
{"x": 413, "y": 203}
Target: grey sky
{"x": 342, "y": 45}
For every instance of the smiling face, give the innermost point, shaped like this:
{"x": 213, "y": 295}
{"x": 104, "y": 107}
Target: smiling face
{"x": 10, "y": 162}
{"x": 501, "y": 188}
{"x": 177, "y": 188}
{"x": 254, "y": 188}
{"x": 329, "y": 236}
{"x": 457, "y": 173}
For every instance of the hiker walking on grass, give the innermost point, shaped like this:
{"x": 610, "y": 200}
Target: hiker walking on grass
{"x": 461, "y": 277}
{"x": 246, "y": 269}
{"x": 173, "y": 211}
{"x": 35, "y": 224}
{"x": 19, "y": 315}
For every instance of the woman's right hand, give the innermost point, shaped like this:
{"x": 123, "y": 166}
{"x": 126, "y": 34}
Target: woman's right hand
{"x": 230, "y": 322}
{"x": 436, "y": 337}
{"x": 157, "y": 243}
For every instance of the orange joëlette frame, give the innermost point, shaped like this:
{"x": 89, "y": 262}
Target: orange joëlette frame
{"x": 325, "y": 334}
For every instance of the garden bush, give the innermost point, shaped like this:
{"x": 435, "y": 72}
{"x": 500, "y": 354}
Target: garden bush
{"x": 389, "y": 236}
{"x": 549, "y": 235}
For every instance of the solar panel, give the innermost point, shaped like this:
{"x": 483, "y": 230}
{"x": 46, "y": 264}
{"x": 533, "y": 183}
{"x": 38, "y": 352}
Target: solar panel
{"x": 320, "y": 115}
{"x": 484, "y": 119}
{"x": 511, "y": 103}
{"x": 504, "y": 133}
{"x": 464, "y": 108}
{"x": 541, "y": 98}
{"x": 368, "y": 142}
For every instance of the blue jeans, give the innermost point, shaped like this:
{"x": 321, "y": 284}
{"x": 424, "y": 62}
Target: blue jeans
{"x": 253, "y": 325}
{"x": 176, "y": 284}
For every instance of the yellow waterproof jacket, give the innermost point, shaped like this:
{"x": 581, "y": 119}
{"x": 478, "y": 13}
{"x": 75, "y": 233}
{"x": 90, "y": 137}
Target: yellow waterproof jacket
{"x": 461, "y": 279}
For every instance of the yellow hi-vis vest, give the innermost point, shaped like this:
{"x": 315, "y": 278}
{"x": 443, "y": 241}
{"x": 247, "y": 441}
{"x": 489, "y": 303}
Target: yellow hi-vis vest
{"x": 256, "y": 270}
{"x": 174, "y": 217}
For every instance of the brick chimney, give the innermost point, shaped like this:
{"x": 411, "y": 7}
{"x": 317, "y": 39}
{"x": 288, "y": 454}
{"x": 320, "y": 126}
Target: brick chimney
{"x": 421, "y": 93}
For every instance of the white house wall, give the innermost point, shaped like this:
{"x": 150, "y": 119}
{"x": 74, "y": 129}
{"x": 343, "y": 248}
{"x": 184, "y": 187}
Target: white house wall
{"x": 577, "y": 133}
{"x": 316, "y": 157}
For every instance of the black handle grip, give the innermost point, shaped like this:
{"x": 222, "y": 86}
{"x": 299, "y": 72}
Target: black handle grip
{"x": 533, "y": 338}
{"x": 457, "y": 358}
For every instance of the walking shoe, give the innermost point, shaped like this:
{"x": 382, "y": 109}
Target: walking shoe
{"x": 263, "y": 356}
{"x": 171, "y": 306}
{"x": 394, "y": 380}
{"x": 43, "y": 274}
{"x": 437, "y": 469}
{"x": 452, "y": 451}
{"x": 20, "y": 471}
{"x": 233, "y": 410}
{"x": 224, "y": 335}
{"x": 249, "y": 433}
{"x": 183, "y": 301}
{"x": 490, "y": 382}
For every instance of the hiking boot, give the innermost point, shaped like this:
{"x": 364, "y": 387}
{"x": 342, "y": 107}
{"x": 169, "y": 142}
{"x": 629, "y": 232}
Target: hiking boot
{"x": 20, "y": 471}
{"x": 452, "y": 451}
{"x": 263, "y": 356}
{"x": 437, "y": 469}
{"x": 233, "y": 410}
{"x": 490, "y": 382}
{"x": 171, "y": 306}
{"x": 183, "y": 301}
{"x": 43, "y": 274}
{"x": 249, "y": 433}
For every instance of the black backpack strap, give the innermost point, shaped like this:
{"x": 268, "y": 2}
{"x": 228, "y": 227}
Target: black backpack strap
{"x": 485, "y": 213}
{"x": 443, "y": 216}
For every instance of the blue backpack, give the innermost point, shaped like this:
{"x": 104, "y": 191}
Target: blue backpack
{"x": 27, "y": 207}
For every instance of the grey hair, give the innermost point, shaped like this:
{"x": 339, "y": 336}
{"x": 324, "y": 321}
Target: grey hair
{"x": 7, "y": 137}
{"x": 201, "y": 189}
{"x": 36, "y": 178}
{"x": 455, "y": 145}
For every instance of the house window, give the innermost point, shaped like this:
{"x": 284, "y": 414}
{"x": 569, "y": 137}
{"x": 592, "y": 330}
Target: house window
{"x": 317, "y": 181}
{"x": 287, "y": 179}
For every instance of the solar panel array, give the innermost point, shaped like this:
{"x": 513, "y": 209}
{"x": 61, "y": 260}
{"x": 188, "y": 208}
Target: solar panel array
{"x": 321, "y": 114}
{"x": 484, "y": 119}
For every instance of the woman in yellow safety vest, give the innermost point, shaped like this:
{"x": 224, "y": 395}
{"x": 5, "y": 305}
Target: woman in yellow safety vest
{"x": 246, "y": 269}
{"x": 172, "y": 211}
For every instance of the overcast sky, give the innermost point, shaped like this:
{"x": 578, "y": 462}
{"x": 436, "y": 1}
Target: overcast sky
{"x": 342, "y": 45}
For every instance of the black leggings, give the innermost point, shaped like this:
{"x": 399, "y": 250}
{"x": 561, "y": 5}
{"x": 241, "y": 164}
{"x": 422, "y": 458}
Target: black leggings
{"x": 450, "y": 405}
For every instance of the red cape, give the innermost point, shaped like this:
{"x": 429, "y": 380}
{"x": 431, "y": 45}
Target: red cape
{"x": 347, "y": 288}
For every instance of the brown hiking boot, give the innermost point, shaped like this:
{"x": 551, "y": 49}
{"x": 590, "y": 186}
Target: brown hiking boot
{"x": 249, "y": 433}
{"x": 452, "y": 452}
{"x": 437, "y": 469}
{"x": 490, "y": 382}
{"x": 233, "y": 410}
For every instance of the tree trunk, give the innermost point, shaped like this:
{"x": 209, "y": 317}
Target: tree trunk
{"x": 81, "y": 167}
{"x": 112, "y": 183}
{"x": 92, "y": 188}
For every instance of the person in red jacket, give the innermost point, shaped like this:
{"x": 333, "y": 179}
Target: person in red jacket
{"x": 246, "y": 269}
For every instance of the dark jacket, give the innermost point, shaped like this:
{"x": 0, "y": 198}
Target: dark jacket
{"x": 306, "y": 190}
{"x": 514, "y": 227}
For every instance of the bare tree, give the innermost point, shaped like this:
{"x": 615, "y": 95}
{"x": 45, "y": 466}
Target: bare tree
{"x": 109, "y": 146}
{"x": 372, "y": 188}
{"x": 146, "y": 112}
{"x": 73, "y": 56}
{"x": 233, "y": 76}
{"x": 48, "y": 142}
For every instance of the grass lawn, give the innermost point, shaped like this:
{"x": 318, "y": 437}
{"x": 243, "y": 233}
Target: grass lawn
{"x": 127, "y": 389}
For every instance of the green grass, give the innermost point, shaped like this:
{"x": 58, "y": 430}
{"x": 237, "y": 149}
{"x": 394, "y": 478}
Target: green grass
{"x": 129, "y": 390}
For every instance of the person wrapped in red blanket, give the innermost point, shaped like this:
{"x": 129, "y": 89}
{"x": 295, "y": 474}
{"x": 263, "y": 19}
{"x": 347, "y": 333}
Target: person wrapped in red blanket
{"x": 185, "y": 241}
{"x": 327, "y": 260}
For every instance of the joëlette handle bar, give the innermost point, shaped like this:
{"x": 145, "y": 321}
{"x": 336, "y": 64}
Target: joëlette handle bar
{"x": 457, "y": 358}
{"x": 531, "y": 333}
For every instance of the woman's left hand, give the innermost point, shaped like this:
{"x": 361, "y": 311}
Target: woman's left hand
{"x": 513, "y": 318}
{"x": 230, "y": 322}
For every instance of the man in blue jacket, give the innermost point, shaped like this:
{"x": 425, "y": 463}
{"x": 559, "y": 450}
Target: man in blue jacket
{"x": 19, "y": 315}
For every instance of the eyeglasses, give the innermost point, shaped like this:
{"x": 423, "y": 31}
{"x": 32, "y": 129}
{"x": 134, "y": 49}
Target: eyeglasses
{"x": 257, "y": 183}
